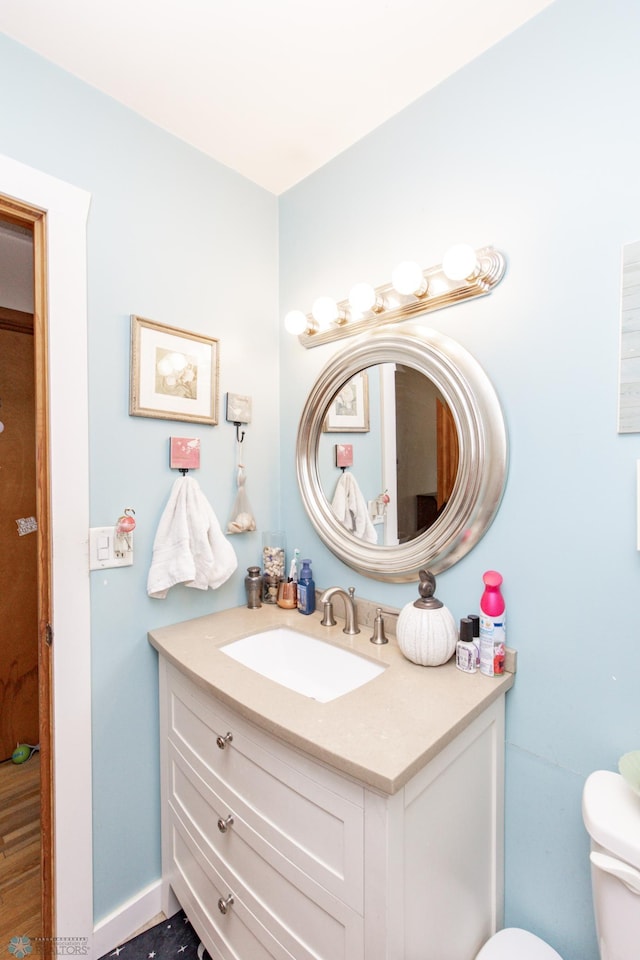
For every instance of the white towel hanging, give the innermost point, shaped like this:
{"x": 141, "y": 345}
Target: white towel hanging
{"x": 350, "y": 508}
{"x": 189, "y": 547}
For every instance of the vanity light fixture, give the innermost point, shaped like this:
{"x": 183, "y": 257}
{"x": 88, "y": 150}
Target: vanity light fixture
{"x": 363, "y": 297}
{"x": 326, "y": 311}
{"x": 409, "y": 278}
{"x": 465, "y": 273}
{"x": 296, "y": 322}
{"x": 460, "y": 263}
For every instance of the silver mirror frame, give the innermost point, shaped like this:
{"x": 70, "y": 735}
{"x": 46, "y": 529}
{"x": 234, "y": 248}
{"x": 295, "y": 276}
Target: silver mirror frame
{"x": 483, "y": 453}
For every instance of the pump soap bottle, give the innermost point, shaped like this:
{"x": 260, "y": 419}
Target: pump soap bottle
{"x": 306, "y": 589}
{"x": 493, "y": 636}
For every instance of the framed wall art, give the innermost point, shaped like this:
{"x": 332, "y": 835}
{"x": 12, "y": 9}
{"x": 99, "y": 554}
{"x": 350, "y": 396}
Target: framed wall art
{"x": 629, "y": 368}
{"x": 174, "y": 373}
{"x": 349, "y": 411}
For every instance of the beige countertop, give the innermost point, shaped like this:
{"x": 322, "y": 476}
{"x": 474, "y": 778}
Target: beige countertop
{"x": 381, "y": 733}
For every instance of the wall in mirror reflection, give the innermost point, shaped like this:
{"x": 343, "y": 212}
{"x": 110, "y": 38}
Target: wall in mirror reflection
{"x": 410, "y": 450}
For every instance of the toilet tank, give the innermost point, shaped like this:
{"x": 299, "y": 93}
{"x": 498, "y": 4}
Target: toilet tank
{"x": 611, "y": 814}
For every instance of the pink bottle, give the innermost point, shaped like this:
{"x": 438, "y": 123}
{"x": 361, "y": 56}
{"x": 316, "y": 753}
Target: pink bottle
{"x": 492, "y": 601}
{"x": 492, "y": 626}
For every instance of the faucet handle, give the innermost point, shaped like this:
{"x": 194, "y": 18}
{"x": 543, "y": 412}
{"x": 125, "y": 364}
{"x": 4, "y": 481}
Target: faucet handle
{"x": 328, "y": 619}
{"x": 378, "y": 629}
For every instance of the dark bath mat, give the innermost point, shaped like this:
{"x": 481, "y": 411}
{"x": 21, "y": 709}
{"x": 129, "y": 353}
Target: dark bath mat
{"x": 172, "y": 939}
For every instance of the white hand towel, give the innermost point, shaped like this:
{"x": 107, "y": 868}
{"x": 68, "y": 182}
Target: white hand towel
{"x": 350, "y": 508}
{"x": 189, "y": 547}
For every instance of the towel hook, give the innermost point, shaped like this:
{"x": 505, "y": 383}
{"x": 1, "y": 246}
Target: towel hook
{"x": 237, "y": 424}
{"x": 184, "y": 454}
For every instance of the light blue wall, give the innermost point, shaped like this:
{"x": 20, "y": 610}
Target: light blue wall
{"x": 180, "y": 239}
{"x": 533, "y": 147}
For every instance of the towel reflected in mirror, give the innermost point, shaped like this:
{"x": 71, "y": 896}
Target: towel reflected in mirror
{"x": 350, "y": 508}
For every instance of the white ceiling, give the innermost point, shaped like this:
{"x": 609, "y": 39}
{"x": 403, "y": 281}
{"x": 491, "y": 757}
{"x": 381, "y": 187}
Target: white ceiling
{"x": 272, "y": 88}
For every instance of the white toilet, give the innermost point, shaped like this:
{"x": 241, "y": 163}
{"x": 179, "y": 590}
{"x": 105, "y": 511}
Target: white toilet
{"x": 514, "y": 944}
{"x": 611, "y": 814}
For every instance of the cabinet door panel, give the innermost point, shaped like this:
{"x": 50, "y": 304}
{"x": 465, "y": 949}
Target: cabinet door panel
{"x": 450, "y": 909}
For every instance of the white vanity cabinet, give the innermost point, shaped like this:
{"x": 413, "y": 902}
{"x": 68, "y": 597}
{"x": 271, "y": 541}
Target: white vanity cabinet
{"x": 273, "y": 854}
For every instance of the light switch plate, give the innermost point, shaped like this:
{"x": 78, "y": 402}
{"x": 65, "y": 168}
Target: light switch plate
{"x": 102, "y": 549}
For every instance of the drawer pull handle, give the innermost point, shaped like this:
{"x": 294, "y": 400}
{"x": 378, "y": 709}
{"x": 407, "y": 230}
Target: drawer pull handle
{"x": 223, "y": 825}
{"x": 223, "y": 905}
{"x": 223, "y": 741}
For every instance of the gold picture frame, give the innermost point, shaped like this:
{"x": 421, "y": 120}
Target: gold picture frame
{"x": 173, "y": 373}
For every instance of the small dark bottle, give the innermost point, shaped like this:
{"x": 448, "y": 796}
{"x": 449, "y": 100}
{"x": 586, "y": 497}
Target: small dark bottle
{"x": 475, "y": 620}
{"x": 253, "y": 586}
{"x": 306, "y": 589}
{"x": 465, "y": 647}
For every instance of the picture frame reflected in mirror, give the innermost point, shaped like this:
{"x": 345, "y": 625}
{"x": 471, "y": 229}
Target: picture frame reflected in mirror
{"x": 349, "y": 409}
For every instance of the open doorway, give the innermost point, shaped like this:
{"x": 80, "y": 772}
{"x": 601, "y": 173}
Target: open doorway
{"x": 26, "y": 867}
{"x": 426, "y": 452}
{"x": 58, "y": 213}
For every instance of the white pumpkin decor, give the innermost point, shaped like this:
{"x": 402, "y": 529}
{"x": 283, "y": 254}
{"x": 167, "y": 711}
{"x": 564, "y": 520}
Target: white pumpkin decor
{"x": 426, "y": 629}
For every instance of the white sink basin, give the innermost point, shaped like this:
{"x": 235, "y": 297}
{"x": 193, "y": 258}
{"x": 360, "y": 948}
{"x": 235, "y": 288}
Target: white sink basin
{"x": 309, "y": 666}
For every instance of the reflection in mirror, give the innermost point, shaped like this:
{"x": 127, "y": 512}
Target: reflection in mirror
{"x": 409, "y": 453}
{"x": 435, "y": 444}
{"x": 426, "y": 452}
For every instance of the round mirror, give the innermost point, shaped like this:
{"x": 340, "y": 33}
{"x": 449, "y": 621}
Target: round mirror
{"x": 443, "y": 472}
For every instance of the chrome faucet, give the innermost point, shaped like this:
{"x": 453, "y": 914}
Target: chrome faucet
{"x": 350, "y": 615}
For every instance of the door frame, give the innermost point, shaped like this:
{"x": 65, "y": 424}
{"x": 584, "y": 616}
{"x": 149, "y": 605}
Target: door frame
{"x": 19, "y": 213}
{"x": 58, "y": 214}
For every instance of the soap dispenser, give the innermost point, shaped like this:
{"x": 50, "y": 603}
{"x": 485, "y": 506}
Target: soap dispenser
{"x": 306, "y": 589}
{"x": 426, "y": 629}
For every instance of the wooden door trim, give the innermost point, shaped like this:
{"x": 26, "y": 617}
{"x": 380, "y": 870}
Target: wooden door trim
{"x": 448, "y": 453}
{"x": 27, "y": 215}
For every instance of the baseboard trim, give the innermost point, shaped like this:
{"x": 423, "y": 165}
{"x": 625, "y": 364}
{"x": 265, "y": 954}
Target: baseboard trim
{"x": 124, "y": 922}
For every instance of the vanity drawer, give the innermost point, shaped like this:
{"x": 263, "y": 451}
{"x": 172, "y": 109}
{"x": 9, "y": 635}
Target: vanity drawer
{"x": 269, "y": 916}
{"x": 290, "y": 805}
{"x": 198, "y": 888}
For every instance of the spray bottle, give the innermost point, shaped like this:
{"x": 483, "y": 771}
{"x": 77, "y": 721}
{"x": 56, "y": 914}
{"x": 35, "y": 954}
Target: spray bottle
{"x": 493, "y": 636}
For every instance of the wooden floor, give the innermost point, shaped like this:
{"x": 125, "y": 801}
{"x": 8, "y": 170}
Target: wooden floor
{"x": 19, "y": 851}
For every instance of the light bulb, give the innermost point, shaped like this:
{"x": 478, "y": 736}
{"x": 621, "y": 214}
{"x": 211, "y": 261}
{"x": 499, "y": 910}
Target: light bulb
{"x": 408, "y": 278}
{"x": 460, "y": 262}
{"x": 363, "y": 298}
{"x": 295, "y": 322}
{"x": 325, "y": 311}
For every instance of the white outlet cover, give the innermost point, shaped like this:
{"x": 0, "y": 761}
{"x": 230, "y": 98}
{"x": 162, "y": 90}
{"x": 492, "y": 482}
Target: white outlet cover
{"x": 102, "y": 549}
